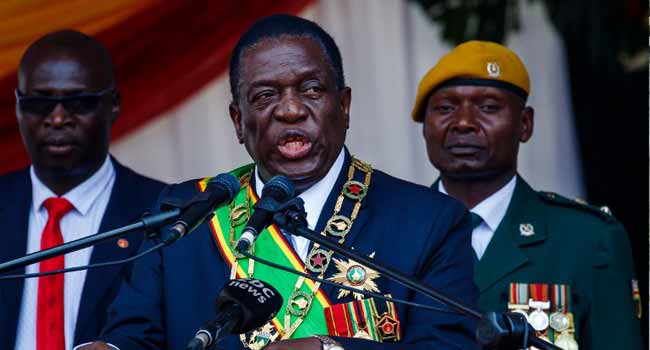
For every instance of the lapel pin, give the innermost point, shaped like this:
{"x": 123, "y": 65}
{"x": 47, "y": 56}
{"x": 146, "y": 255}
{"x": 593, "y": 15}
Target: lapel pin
{"x": 526, "y": 230}
{"x": 122, "y": 243}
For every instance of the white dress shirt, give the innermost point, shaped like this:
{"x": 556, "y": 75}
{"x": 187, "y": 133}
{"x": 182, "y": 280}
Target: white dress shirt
{"x": 89, "y": 199}
{"x": 315, "y": 198}
{"x": 492, "y": 210}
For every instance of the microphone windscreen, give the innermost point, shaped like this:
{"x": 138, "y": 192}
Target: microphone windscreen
{"x": 228, "y": 182}
{"x": 258, "y": 300}
{"x": 280, "y": 188}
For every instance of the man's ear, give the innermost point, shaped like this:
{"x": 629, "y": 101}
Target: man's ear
{"x": 346, "y": 99}
{"x": 527, "y": 124}
{"x": 116, "y": 100}
{"x": 235, "y": 116}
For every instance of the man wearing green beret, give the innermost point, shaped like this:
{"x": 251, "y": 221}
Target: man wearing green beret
{"x": 564, "y": 264}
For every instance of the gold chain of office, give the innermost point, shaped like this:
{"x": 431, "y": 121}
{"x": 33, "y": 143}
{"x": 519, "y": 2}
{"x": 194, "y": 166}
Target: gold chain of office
{"x": 318, "y": 259}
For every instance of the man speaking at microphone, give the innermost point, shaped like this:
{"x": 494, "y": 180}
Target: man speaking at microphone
{"x": 290, "y": 110}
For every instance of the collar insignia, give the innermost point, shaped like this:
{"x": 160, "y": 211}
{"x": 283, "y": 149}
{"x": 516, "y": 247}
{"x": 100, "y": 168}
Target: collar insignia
{"x": 526, "y": 230}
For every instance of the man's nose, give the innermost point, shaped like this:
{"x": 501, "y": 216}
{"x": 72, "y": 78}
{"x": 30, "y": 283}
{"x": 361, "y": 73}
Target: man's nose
{"x": 58, "y": 117}
{"x": 290, "y": 109}
{"x": 465, "y": 120}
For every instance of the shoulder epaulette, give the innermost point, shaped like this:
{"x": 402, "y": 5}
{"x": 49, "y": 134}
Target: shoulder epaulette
{"x": 554, "y": 198}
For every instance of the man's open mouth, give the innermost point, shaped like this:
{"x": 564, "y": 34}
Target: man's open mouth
{"x": 294, "y": 146}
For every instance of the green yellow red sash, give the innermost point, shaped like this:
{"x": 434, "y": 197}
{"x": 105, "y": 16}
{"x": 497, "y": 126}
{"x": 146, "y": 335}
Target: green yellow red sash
{"x": 270, "y": 245}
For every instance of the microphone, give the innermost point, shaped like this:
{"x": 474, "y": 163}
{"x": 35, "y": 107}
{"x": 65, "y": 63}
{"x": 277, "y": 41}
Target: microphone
{"x": 242, "y": 306}
{"x": 277, "y": 191}
{"x": 204, "y": 337}
{"x": 221, "y": 189}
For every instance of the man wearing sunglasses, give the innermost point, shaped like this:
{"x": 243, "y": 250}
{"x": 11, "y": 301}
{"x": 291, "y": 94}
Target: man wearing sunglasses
{"x": 66, "y": 103}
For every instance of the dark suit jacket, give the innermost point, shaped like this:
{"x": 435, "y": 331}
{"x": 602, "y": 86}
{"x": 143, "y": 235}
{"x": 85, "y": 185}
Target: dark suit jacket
{"x": 424, "y": 234}
{"x": 132, "y": 195}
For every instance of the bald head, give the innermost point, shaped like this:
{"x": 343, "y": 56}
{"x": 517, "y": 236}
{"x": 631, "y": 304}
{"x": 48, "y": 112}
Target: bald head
{"x": 69, "y": 53}
{"x": 66, "y": 105}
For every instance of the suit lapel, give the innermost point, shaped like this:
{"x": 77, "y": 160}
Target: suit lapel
{"x": 501, "y": 257}
{"x": 357, "y": 226}
{"x": 505, "y": 252}
{"x": 98, "y": 281}
{"x": 14, "y": 212}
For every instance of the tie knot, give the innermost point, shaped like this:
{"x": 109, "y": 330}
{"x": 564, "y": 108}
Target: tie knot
{"x": 476, "y": 220}
{"x": 57, "y": 206}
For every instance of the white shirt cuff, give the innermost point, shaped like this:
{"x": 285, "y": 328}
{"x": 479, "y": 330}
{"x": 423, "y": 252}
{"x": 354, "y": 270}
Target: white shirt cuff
{"x": 109, "y": 344}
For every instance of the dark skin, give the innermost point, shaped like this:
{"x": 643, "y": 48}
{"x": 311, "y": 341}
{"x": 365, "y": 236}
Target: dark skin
{"x": 288, "y": 95}
{"x": 473, "y": 135}
{"x": 291, "y": 116}
{"x": 65, "y": 148}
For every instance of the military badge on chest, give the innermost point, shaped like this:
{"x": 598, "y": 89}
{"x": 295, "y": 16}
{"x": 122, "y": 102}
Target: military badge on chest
{"x": 307, "y": 309}
{"x": 352, "y": 274}
{"x": 366, "y": 318}
{"x": 547, "y": 307}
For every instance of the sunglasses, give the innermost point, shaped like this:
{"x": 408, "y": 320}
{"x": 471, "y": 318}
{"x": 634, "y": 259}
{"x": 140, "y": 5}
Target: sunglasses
{"x": 80, "y": 104}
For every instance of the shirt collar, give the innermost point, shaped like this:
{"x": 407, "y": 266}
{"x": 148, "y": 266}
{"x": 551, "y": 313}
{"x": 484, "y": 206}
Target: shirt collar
{"x": 316, "y": 195}
{"x": 82, "y": 196}
{"x": 493, "y": 208}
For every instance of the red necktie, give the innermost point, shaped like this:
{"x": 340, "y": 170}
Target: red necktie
{"x": 49, "y": 317}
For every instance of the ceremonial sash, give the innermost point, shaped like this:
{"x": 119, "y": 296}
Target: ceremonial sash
{"x": 270, "y": 245}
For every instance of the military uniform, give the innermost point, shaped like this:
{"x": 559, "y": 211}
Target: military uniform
{"x": 564, "y": 264}
{"x": 552, "y": 243}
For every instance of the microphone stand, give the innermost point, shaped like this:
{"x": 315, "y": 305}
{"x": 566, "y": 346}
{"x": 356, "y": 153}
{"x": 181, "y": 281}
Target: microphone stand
{"x": 495, "y": 330}
{"x": 150, "y": 223}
